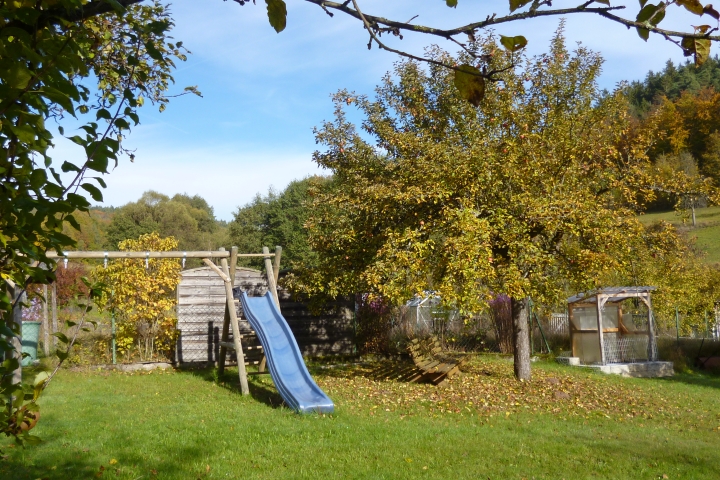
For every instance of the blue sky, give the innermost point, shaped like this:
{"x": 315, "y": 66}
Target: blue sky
{"x": 263, "y": 92}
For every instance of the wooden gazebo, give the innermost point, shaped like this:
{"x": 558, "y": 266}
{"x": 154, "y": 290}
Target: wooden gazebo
{"x": 602, "y": 333}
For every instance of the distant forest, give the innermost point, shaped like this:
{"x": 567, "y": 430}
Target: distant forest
{"x": 671, "y": 82}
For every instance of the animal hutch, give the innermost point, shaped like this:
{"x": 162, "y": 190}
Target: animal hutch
{"x": 605, "y": 327}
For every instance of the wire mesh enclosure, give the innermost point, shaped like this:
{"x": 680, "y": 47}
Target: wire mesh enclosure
{"x": 612, "y": 325}
{"x": 426, "y": 315}
{"x": 201, "y": 304}
{"x": 199, "y": 337}
{"x": 490, "y": 331}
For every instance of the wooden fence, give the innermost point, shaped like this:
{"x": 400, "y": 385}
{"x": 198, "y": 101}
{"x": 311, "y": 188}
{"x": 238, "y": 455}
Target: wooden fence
{"x": 201, "y": 306}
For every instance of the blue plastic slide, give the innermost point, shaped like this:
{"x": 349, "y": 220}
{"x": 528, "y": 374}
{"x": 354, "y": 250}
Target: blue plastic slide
{"x": 286, "y": 364}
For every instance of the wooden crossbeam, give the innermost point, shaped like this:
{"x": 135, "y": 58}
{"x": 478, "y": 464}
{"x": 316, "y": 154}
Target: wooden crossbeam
{"x": 150, "y": 254}
{"x": 215, "y": 269}
{"x": 232, "y": 345}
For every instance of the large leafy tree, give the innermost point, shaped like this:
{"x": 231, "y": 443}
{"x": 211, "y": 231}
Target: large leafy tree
{"x": 533, "y": 191}
{"x": 64, "y": 58}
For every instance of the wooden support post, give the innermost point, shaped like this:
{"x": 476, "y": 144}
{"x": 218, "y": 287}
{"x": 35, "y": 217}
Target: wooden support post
{"x": 276, "y": 263}
{"x": 226, "y": 320}
{"x": 46, "y": 323}
{"x": 652, "y": 349}
{"x": 230, "y": 306}
{"x": 272, "y": 287}
{"x": 272, "y": 270}
{"x": 600, "y": 305}
{"x": 569, "y": 314}
{"x": 233, "y": 264}
{"x": 224, "y": 334}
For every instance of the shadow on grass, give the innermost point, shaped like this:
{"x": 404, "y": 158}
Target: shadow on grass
{"x": 400, "y": 370}
{"x": 74, "y": 463}
{"x": 260, "y": 390}
{"x": 697, "y": 379}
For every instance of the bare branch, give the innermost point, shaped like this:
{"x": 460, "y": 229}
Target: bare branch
{"x": 372, "y": 29}
{"x": 534, "y": 12}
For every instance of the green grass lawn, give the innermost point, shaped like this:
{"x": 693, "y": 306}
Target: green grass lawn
{"x": 707, "y": 231}
{"x": 566, "y": 423}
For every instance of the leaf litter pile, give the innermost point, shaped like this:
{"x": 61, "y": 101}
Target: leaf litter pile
{"x": 486, "y": 388}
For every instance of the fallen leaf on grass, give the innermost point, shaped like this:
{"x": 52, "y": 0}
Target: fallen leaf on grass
{"x": 488, "y": 387}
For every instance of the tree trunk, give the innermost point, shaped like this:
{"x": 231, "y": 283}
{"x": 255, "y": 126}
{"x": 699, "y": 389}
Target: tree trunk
{"x": 521, "y": 337}
{"x": 694, "y": 221}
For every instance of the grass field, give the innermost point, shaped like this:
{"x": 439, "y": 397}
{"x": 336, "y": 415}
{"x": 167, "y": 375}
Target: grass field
{"x": 707, "y": 230}
{"x": 566, "y": 423}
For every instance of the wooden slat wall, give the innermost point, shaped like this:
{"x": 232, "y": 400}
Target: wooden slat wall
{"x": 332, "y": 332}
{"x": 201, "y": 305}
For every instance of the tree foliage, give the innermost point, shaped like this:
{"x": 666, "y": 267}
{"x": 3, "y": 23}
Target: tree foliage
{"x": 92, "y": 234}
{"x": 534, "y": 188}
{"x": 671, "y": 82}
{"x": 278, "y": 219}
{"x": 532, "y": 193}
{"x": 62, "y": 58}
{"x": 188, "y": 219}
{"x": 691, "y": 124}
{"x": 141, "y": 293}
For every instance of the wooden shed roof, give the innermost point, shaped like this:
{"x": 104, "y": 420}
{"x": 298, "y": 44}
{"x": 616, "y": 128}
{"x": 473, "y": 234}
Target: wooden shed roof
{"x": 615, "y": 294}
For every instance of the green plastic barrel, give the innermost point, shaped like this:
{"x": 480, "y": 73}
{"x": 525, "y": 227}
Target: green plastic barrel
{"x": 30, "y": 335}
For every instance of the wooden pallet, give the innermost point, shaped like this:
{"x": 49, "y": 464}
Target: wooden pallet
{"x": 435, "y": 364}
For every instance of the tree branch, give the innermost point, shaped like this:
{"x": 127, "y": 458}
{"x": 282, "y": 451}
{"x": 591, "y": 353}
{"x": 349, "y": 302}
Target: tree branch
{"x": 89, "y": 10}
{"x": 605, "y": 12}
{"x": 56, "y": 15}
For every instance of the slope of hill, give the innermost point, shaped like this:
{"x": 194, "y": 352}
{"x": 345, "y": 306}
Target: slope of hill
{"x": 707, "y": 231}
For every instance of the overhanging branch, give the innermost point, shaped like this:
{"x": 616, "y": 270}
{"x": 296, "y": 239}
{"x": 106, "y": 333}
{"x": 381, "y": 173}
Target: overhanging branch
{"x": 55, "y": 15}
{"x": 492, "y": 20}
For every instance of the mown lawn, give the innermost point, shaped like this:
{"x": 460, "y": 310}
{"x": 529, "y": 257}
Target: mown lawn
{"x": 707, "y": 230}
{"x": 566, "y": 423}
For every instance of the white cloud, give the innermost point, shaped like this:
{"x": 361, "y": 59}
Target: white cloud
{"x": 227, "y": 177}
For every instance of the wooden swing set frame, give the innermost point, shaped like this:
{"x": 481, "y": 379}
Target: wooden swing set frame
{"x": 226, "y": 271}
